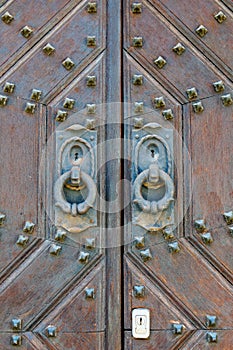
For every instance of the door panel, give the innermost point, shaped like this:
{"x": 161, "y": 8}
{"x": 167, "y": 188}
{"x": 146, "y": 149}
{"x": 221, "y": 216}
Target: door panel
{"x": 70, "y": 55}
{"x": 164, "y": 340}
{"x": 212, "y": 181}
{"x": 37, "y": 15}
{"x": 148, "y": 92}
{"x": 211, "y": 195}
{"x": 81, "y": 308}
{"x": 53, "y": 286}
{"x": 141, "y": 292}
{"x": 66, "y": 281}
{"x": 192, "y": 274}
{"x": 20, "y": 188}
{"x": 195, "y": 294}
{"x": 71, "y": 341}
{"x": 87, "y": 88}
{"x": 160, "y": 42}
{"x": 24, "y": 298}
{"x": 219, "y": 28}
{"x": 158, "y": 340}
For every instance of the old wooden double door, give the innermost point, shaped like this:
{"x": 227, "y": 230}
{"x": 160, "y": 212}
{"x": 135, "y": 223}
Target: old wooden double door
{"x": 116, "y": 174}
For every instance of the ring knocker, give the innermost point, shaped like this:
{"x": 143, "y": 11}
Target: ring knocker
{"x": 76, "y": 176}
{"x": 152, "y": 176}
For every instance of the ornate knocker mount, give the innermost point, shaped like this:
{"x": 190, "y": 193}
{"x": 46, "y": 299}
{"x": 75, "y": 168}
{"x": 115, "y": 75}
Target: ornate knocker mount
{"x": 153, "y": 189}
{"x": 75, "y": 185}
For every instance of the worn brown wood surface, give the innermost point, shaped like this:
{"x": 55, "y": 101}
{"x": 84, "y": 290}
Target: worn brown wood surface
{"x": 186, "y": 286}
{"x": 36, "y": 286}
{"x": 183, "y": 287}
{"x": 219, "y": 37}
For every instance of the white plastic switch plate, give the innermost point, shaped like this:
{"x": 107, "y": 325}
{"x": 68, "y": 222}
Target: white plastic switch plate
{"x": 141, "y": 323}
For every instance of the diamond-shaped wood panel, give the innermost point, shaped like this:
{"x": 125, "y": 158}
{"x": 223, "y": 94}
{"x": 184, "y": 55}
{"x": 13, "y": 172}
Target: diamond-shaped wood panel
{"x": 179, "y": 72}
{"x": 217, "y": 19}
{"x": 39, "y": 282}
{"x": 37, "y": 16}
{"x": 71, "y": 54}
{"x": 164, "y": 314}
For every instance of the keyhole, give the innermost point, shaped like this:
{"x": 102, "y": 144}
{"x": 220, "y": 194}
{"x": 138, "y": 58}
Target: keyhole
{"x": 76, "y": 153}
{"x": 152, "y": 153}
{"x": 140, "y": 321}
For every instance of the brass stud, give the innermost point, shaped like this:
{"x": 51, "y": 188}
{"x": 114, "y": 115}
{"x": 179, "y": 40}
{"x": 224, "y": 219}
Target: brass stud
{"x": 22, "y": 240}
{"x": 207, "y": 238}
{"x": 140, "y": 242}
{"x": 7, "y": 17}
{"x": 60, "y": 235}
{"x": 191, "y": 93}
{"x": 227, "y": 100}
{"x": 84, "y": 257}
{"x": 168, "y": 114}
{"x": 68, "y": 63}
{"x": 91, "y": 108}
{"x": 3, "y": 100}
{"x": 30, "y": 108}
{"x": 138, "y": 107}
{"x": 9, "y": 87}
{"x": 228, "y": 216}
{"x": 61, "y": 116}
{"x": 91, "y": 40}
{"x": 177, "y": 328}
{"x": 168, "y": 233}
{"x": 137, "y": 79}
{"x": 159, "y": 102}
{"x": 139, "y": 291}
{"x": 16, "y": 340}
{"x": 137, "y": 41}
{"x": 231, "y": 230}
{"x": 48, "y": 49}
{"x": 55, "y": 249}
{"x": 137, "y": 7}
{"x": 220, "y": 17}
{"x": 218, "y": 86}
{"x": 200, "y": 225}
{"x": 160, "y": 62}
{"x": 90, "y": 124}
{"x": 138, "y": 123}
{"x": 212, "y": 337}
{"x": 2, "y": 218}
{"x": 26, "y": 32}
{"x": 90, "y": 293}
{"x": 201, "y": 31}
{"x": 211, "y": 321}
{"x": 29, "y": 227}
{"x": 179, "y": 49}
{"x": 145, "y": 255}
{"x": 36, "y": 95}
{"x": 16, "y": 324}
{"x": 91, "y": 80}
{"x": 92, "y": 7}
{"x": 51, "y": 331}
{"x": 198, "y": 107}
{"x": 90, "y": 243}
{"x": 173, "y": 247}
{"x": 69, "y": 103}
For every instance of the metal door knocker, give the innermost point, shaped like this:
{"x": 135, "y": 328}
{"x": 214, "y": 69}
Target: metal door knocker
{"x": 153, "y": 173}
{"x": 154, "y": 177}
{"x": 74, "y": 189}
{"x": 76, "y": 177}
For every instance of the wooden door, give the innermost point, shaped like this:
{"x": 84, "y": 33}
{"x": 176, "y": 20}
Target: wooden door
{"x": 97, "y": 92}
{"x": 179, "y": 265}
